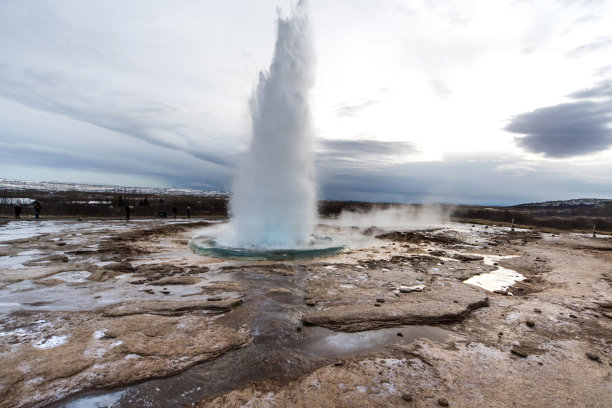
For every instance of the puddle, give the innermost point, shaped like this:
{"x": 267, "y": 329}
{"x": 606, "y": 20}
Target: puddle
{"x": 31, "y": 252}
{"x": 14, "y": 262}
{"x": 72, "y": 276}
{"x": 338, "y": 344}
{"x": 21, "y": 286}
{"x": 98, "y": 401}
{"x": 79, "y": 294}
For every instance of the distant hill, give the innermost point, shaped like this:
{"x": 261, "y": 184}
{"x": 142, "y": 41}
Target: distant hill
{"x": 50, "y": 186}
{"x": 580, "y": 214}
{"x": 569, "y": 204}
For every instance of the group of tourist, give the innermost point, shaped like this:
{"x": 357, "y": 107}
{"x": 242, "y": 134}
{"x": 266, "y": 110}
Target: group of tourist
{"x": 38, "y": 206}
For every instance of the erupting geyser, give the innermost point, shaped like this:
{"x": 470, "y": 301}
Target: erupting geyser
{"x": 274, "y": 195}
{"x": 273, "y": 206}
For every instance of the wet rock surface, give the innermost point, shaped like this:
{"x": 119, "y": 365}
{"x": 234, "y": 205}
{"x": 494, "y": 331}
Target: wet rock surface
{"x": 439, "y": 304}
{"x": 169, "y": 308}
{"x": 104, "y": 308}
{"x": 58, "y": 354}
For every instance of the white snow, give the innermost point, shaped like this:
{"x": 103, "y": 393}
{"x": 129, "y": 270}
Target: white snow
{"x": 17, "y": 332}
{"x": 499, "y": 279}
{"x": 51, "y": 342}
{"x": 98, "y": 334}
{"x": 492, "y": 259}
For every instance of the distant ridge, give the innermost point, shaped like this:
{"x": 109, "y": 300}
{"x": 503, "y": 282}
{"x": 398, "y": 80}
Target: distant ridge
{"x": 50, "y": 186}
{"x": 576, "y": 202}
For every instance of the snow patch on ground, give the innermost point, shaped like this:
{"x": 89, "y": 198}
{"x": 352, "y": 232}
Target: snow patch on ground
{"x": 98, "y": 334}
{"x": 51, "y": 342}
{"x": 499, "y": 279}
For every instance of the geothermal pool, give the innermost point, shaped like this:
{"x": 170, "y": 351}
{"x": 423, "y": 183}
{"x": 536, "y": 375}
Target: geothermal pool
{"x": 319, "y": 247}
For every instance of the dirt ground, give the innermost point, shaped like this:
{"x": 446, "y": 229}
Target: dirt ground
{"x": 129, "y": 315}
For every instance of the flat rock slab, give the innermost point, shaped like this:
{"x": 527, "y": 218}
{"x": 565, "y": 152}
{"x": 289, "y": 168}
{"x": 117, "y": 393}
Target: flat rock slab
{"x": 176, "y": 280}
{"x": 53, "y": 355}
{"x": 171, "y": 308}
{"x": 468, "y": 257}
{"x": 439, "y": 304}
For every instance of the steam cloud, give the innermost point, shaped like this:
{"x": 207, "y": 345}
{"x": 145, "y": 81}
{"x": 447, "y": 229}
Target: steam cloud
{"x": 397, "y": 217}
{"x": 274, "y": 201}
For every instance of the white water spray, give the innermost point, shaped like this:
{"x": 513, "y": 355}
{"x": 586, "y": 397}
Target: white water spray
{"x": 274, "y": 201}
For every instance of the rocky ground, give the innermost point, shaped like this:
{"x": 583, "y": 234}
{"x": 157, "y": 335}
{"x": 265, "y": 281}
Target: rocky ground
{"x": 127, "y": 314}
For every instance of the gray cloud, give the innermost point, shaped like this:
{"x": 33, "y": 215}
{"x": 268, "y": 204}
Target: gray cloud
{"x": 602, "y": 89}
{"x": 569, "y": 129}
{"x": 604, "y": 71}
{"x": 163, "y": 165}
{"x": 598, "y": 44}
{"x": 467, "y": 179}
{"x": 362, "y": 150}
{"x": 353, "y": 109}
{"x": 57, "y": 93}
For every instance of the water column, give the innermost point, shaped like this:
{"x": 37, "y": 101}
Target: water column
{"x": 273, "y": 203}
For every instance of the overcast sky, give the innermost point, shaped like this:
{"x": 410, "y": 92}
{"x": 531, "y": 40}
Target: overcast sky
{"x": 492, "y": 102}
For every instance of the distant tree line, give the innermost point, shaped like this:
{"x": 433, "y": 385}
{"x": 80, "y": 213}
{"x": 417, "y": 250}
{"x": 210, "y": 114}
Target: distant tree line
{"x": 92, "y": 204}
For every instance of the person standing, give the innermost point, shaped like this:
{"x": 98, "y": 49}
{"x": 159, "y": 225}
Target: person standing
{"x": 174, "y": 211}
{"x": 127, "y": 212}
{"x": 37, "y": 208}
{"x": 17, "y": 211}
{"x": 188, "y": 212}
